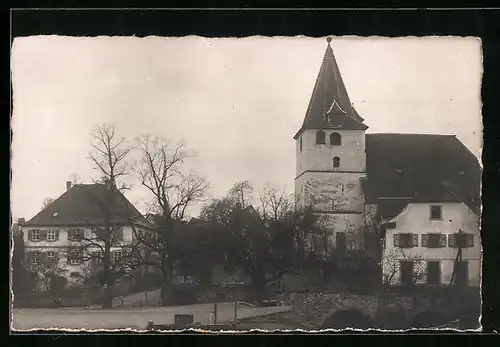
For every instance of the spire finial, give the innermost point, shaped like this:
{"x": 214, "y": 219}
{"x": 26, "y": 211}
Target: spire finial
{"x": 329, "y": 39}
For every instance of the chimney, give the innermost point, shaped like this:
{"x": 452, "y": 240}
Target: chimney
{"x": 68, "y": 185}
{"x": 21, "y": 221}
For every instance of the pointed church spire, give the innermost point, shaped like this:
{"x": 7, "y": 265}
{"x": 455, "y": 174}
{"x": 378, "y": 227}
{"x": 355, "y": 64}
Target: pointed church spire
{"x": 330, "y": 106}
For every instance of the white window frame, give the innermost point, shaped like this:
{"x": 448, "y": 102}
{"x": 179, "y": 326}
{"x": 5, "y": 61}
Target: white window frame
{"x": 440, "y": 207}
{"x": 37, "y": 233}
{"x": 35, "y": 258}
{"x": 74, "y": 255}
{"x": 51, "y": 235}
{"x": 51, "y": 255}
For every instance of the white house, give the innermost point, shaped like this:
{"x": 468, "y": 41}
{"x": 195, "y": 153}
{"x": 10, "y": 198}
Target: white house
{"x": 421, "y": 245}
{"x": 416, "y": 184}
{"x": 55, "y": 234}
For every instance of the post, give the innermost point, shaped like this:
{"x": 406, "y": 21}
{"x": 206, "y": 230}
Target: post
{"x": 146, "y": 297}
{"x": 215, "y": 313}
{"x": 122, "y": 303}
{"x": 235, "y": 311}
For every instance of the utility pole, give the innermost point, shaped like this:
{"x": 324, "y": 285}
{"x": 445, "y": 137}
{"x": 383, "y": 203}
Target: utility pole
{"x": 459, "y": 242}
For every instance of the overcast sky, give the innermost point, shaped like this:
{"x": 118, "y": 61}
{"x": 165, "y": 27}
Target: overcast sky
{"x": 237, "y": 102}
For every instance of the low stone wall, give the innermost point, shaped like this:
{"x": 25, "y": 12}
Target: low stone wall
{"x": 317, "y": 307}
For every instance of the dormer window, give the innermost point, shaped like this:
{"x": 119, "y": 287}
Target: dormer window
{"x": 335, "y": 139}
{"x": 320, "y": 137}
{"x": 336, "y": 162}
{"x": 55, "y": 214}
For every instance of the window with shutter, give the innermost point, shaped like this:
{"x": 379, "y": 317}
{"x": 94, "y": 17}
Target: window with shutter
{"x": 415, "y": 240}
{"x": 57, "y": 235}
{"x": 434, "y": 240}
{"x": 43, "y": 235}
{"x": 452, "y": 241}
{"x": 470, "y": 240}
{"x": 396, "y": 240}
{"x": 442, "y": 242}
{"x": 425, "y": 239}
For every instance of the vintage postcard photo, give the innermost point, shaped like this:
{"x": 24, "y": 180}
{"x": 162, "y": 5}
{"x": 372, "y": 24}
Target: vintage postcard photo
{"x": 230, "y": 184}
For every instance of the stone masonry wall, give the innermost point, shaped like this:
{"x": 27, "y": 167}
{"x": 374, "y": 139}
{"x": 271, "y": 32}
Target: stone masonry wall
{"x": 317, "y": 307}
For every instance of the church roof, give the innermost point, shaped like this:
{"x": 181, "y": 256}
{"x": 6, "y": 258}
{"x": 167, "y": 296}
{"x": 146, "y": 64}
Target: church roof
{"x": 404, "y": 168}
{"x": 330, "y": 106}
{"x": 83, "y": 204}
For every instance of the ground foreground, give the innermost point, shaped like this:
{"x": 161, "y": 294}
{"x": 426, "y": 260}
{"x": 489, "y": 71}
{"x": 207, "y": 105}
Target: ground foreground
{"x": 94, "y": 319}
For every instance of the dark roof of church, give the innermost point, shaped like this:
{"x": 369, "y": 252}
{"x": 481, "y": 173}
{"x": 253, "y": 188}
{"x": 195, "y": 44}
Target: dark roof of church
{"x": 421, "y": 168}
{"x": 330, "y": 106}
{"x": 82, "y": 204}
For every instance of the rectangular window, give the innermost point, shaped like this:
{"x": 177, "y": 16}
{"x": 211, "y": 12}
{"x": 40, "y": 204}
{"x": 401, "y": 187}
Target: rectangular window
{"x": 35, "y": 235}
{"x": 461, "y": 273}
{"x": 51, "y": 255}
{"x": 300, "y": 143}
{"x": 74, "y": 258}
{"x": 461, "y": 240}
{"x": 51, "y": 235}
{"x": 433, "y": 240}
{"x": 406, "y": 268}
{"x": 76, "y": 234}
{"x": 436, "y": 213}
{"x": 405, "y": 240}
{"x": 35, "y": 258}
{"x": 433, "y": 272}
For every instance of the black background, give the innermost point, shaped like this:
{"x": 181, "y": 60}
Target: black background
{"x": 483, "y": 23}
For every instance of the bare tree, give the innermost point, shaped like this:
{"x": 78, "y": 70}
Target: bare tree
{"x": 242, "y": 193}
{"x": 103, "y": 244}
{"x": 160, "y": 170}
{"x": 47, "y": 269}
{"x": 75, "y": 179}
{"x": 267, "y": 243}
{"x": 392, "y": 265}
{"x": 46, "y": 202}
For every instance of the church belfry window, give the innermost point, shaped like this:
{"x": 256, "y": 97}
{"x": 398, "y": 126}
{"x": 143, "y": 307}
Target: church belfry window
{"x": 300, "y": 143}
{"x": 336, "y": 162}
{"x": 320, "y": 137}
{"x": 335, "y": 139}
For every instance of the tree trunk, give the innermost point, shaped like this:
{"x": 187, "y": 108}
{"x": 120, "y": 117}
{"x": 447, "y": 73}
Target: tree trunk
{"x": 166, "y": 285}
{"x": 108, "y": 298}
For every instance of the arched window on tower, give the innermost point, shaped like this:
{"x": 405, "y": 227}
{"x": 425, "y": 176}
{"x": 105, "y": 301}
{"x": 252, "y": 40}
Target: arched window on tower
{"x": 335, "y": 139}
{"x": 336, "y": 162}
{"x": 320, "y": 137}
{"x": 300, "y": 143}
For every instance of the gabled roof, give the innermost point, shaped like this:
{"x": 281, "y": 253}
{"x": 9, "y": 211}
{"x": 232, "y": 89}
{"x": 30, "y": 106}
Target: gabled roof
{"x": 84, "y": 204}
{"x": 420, "y": 168}
{"x": 330, "y": 96}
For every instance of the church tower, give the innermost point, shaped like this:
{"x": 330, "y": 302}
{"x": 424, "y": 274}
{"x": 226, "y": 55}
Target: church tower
{"x": 331, "y": 159}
